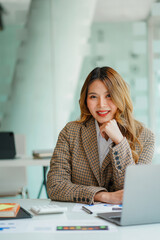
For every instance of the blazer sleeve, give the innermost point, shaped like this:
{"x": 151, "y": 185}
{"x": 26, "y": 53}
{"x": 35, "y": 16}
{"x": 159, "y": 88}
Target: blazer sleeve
{"x": 122, "y": 156}
{"x": 59, "y": 178}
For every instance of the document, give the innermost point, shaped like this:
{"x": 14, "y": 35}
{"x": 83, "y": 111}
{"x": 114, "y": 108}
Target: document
{"x": 97, "y": 208}
{"x": 19, "y": 226}
{"x": 14, "y": 226}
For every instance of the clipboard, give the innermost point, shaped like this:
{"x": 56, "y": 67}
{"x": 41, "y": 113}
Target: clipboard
{"x": 20, "y": 215}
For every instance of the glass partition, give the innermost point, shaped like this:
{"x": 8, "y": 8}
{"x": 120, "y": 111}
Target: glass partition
{"x": 133, "y": 49}
{"x": 122, "y": 46}
{"x": 154, "y": 52}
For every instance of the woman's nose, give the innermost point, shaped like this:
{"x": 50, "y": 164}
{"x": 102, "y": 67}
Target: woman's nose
{"x": 102, "y": 102}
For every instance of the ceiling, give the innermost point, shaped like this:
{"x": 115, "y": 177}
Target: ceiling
{"x": 16, "y": 11}
{"x": 122, "y": 10}
{"x": 105, "y": 10}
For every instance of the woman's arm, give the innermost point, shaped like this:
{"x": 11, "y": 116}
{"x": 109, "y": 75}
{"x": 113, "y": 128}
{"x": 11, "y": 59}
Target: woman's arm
{"x": 121, "y": 158}
{"x": 109, "y": 197}
{"x": 148, "y": 139}
{"x": 59, "y": 179}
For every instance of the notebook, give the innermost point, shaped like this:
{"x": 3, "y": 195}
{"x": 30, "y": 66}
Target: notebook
{"x": 7, "y": 145}
{"x": 23, "y": 213}
{"x": 141, "y": 199}
{"x": 9, "y": 209}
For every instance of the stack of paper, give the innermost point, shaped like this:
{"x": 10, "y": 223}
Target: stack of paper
{"x": 38, "y": 154}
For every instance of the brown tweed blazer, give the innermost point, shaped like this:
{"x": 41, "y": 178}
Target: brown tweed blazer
{"x": 75, "y": 173}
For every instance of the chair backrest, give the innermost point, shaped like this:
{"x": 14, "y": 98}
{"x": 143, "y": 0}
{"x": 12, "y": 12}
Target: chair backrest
{"x": 13, "y": 179}
{"x": 20, "y": 143}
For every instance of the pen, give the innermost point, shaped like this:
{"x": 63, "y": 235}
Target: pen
{"x": 116, "y": 208}
{"x": 86, "y": 210}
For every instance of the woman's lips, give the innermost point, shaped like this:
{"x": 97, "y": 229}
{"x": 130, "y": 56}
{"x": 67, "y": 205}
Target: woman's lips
{"x": 102, "y": 113}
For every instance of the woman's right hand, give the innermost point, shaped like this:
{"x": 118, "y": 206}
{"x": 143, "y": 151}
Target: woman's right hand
{"x": 109, "y": 197}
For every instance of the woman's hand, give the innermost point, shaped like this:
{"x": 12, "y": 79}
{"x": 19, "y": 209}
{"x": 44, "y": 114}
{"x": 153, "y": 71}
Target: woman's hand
{"x": 112, "y": 130}
{"x": 109, "y": 197}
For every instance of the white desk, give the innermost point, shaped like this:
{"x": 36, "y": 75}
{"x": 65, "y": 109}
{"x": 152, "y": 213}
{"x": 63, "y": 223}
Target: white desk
{"x": 28, "y": 161}
{"x": 139, "y": 232}
{"x": 24, "y": 162}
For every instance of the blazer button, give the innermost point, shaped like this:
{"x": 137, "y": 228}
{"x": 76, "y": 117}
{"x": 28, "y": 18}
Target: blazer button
{"x": 117, "y": 158}
{"x": 79, "y": 199}
{"x": 111, "y": 183}
{"x": 115, "y": 153}
{"x": 87, "y": 199}
{"x": 119, "y": 167}
{"x": 83, "y": 199}
{"x": 74, "y": 199}
{"x": 118, "y": 162}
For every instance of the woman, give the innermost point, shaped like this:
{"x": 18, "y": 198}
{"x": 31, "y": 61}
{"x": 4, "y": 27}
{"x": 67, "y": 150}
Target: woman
{"x": 91, "y": 155}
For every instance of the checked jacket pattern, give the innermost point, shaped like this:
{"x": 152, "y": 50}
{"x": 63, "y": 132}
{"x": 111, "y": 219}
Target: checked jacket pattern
{"x": 75, "y": 174}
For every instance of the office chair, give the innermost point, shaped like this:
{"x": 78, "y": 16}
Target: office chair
{"x": 13, "y": 180}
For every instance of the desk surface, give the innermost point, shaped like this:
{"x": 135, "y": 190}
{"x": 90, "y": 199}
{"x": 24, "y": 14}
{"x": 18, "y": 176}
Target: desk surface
{"x": 24, "y": 162}
{"x": 139, "y": 232}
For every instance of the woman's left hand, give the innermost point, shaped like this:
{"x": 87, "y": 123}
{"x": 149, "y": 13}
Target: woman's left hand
{"x": 112, "y": 130}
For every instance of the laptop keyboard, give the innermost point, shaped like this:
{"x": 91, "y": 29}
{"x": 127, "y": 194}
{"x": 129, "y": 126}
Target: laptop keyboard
{"x": 116, "y": 218}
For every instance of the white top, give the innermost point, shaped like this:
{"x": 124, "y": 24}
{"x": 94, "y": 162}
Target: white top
{"x": 103, "y": 145}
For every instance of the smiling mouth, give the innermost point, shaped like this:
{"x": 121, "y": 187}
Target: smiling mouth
{"x": 103, "y": 113}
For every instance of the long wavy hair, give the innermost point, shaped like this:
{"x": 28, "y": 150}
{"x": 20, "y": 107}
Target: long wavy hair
{"x": 120, "y": 96}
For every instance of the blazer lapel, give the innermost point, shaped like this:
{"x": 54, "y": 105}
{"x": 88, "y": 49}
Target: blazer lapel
{"x": 89, "y": 139}
{"x": 106, "y": 160}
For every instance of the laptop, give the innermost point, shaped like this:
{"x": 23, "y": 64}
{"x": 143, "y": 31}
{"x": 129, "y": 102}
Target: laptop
{"x": 7, "y": 145}
{"x": 141, "y": 199}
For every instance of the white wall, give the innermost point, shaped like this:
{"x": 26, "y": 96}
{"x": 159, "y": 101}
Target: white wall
{"x": 47, "y": 73}
{"x": 31, "y": 111}
{"x": 31, "y": 100}
{"x": 71, "y": 29}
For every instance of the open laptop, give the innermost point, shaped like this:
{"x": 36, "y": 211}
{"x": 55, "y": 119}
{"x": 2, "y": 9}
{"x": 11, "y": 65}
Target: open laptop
{"x": 141, "y": 199}
{"x": 7, "y": 145}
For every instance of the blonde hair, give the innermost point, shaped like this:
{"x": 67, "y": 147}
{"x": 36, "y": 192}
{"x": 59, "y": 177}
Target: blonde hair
{"x": 120, "y": 96}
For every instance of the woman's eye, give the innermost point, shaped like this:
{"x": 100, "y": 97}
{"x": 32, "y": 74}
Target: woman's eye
{"x": 92, "y": 96}
{"x": 108, "y": 95}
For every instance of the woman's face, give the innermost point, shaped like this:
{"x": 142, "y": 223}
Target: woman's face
{"x": 99, "y": 102}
